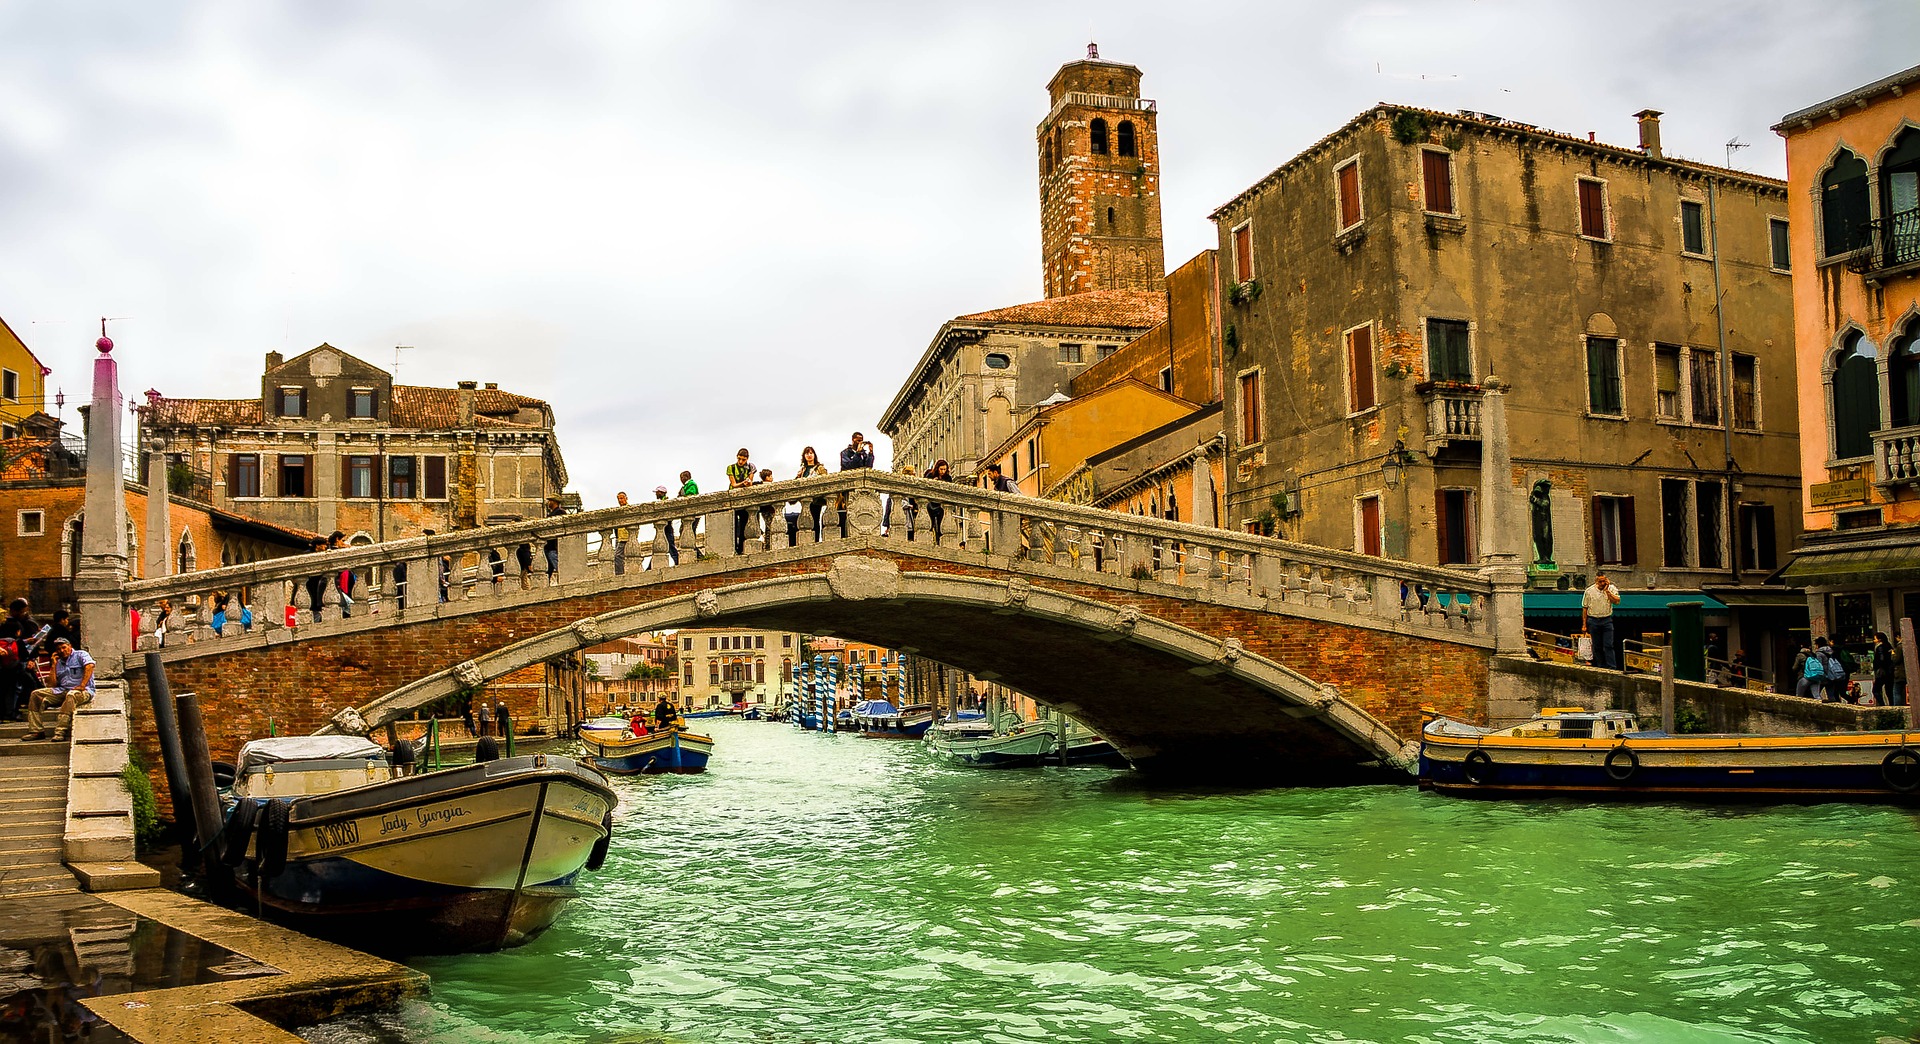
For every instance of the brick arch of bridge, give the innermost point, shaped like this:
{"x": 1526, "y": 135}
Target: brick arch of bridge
{"x": 299, "y": 680}
{"x": 1171, "y": 697}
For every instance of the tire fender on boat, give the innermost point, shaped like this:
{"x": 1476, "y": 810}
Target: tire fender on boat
{"x": 487, "y": 749}
{"x": 1901, "y": 770}
{"x": 271, "y": 853}
{"x": 239, "y": 830}
{"x": 1477, "y": 767}
{"x": 224, "y": 774}
{"x": 598, "y": 857}
{"x": 1615, "y": 770}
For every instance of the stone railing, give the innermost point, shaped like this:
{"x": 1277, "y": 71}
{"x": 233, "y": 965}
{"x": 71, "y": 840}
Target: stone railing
{"x": 1896, "y": 455}
{"x": 1453, "y": 414}
{"x": 405, "y": 579}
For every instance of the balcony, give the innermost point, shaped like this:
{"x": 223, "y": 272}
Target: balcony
{"x": 1100, "y": 101}
{"x": 1893, "y": 246}
{"x": 1896, "y": 456}
{"x": 1453, "y": 412}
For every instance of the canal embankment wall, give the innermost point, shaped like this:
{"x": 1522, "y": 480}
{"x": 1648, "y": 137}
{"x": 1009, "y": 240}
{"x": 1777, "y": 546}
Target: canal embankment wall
{"x": 1518, "y": 687}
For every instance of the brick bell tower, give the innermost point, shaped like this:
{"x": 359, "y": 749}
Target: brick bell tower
{"x": 1099, "y": 181}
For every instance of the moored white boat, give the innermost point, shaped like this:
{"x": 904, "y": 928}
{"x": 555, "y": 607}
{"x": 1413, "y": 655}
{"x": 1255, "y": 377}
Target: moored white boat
{"x": 1028, "y": 743}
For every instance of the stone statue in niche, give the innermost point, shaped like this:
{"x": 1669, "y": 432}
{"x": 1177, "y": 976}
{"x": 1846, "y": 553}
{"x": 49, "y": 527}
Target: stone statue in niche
{"x": 1540, "y": 506}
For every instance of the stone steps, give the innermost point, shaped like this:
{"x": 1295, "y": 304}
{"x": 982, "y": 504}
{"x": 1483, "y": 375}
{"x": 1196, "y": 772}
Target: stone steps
{"x": 33, "y": 816}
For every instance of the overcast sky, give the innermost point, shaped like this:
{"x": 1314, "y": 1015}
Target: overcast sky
{"x": 696, "y": 226}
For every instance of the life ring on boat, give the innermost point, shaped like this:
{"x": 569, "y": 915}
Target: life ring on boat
{"x": 239, "y": 830}
{"x": 1617, "y": 771}
{"x": 1477, "y": 767}
{"x": 598, "y": 857}
{"x": 1901, "y": 770}
{"x": 270, "y": 854}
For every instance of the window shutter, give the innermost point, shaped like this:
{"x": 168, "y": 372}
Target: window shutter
{"x": 1360, "y": 362}
{"x": 1442, "y": 539}
{"x": 1629, "y": 540}
{"x": 1439, "y": 183}
{"x": 279, "y": 402}
{"x": 1763, "y": 524}
{"x": 346, "y": 477}
{"x": 1349, "y": 195}
{"x": 435, "y": 486}
{"x": 1598, "y": 505}
{"x": 233, "y": 475}
{"x": 377, "y": 475}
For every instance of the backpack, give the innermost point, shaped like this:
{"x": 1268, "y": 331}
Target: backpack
{"x": 1814, "y": 669}
{"x": 1835, "y": 669}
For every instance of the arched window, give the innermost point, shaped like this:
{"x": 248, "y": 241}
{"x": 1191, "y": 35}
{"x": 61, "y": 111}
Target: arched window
{"x": 1126, "y": 137}
{"x": 1856, "y": 397}
{"x": 1900, "y": 199}
{"x": 1843, "y": 204}
{"x": 1903, "y": 377}
{"x": 1099, "y": 136}
{"x": 1109, "y": 217}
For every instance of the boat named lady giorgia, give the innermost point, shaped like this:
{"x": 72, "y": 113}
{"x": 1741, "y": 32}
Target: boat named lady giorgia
{"x": 326, "y": 833}
{"x": 613, "y": 746}
{"x": 1605, "y": 753}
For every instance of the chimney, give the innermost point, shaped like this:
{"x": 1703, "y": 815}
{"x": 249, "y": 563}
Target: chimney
{"x": 1650, "y": 132}
{"x": 492, "y": 386}
{"x": 274, "y": 359}
{"x": 465, "y": 395}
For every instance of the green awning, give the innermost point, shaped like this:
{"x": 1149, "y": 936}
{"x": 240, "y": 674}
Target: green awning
{"x": 1761, "y": 598}
{"x": 1632, "y": 603}
{"x": 1860, "y": 567}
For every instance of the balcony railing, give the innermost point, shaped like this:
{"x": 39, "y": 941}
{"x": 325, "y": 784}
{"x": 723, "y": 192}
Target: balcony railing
{"x": 1453, "y": 412}
{"x": 1894, "y": 241}
{"x": 1896, "y": 455}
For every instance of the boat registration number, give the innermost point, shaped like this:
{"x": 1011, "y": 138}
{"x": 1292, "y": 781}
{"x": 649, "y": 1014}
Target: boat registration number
{"x": 334, "y": 835}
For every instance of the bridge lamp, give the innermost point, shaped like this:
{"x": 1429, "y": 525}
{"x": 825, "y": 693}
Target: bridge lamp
{"x": 1394, "y": 467}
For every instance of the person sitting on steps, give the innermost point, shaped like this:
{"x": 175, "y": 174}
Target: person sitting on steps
{"x": 72, "y": 689}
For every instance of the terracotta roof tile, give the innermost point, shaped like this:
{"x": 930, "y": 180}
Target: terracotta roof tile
{"x": 1107, "y": 308}
{"x": 412, "y": 407}
{"x": 208, "y": 413}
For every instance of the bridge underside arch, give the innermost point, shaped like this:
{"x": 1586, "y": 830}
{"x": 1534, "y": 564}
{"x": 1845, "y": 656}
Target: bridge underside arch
{"x": 1175, "y": 701}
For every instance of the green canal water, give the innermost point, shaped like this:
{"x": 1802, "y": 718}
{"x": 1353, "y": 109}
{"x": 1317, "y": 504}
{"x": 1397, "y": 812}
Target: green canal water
{"x": 820, "y": 888}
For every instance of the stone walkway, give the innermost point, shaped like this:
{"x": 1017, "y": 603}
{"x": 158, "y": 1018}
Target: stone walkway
{"x": 33, "y": 815}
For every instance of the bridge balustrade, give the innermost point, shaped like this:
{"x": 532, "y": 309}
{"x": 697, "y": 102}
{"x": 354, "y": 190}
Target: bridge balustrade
{"x": 406, "y": 579}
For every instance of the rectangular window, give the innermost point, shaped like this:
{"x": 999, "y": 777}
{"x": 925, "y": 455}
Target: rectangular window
{"x": 1449, "y": 354}
{"x": 1757, "y": 551}
{"x": 290, "y": 402}
{"x": 1103, "y": 351}
{"x": 245, "y": 479}
{"x": 1453, "y": 526}
{"x": 1166, "y": 379}
{"x": 8, "y": 431}
{"x": 1703, "y": 398}
{"x": 688, "y": 678}
{"x": 759, "y": 641}
{"x": 400, "y": 485}
{"x": 1360, "y": 368}
{"x": 1709, "y": 523}
{"x": 1614, "y": 540}
{"x": 1070, "y": 353}
{"x": 1243, "y": 252}
{"x": 357, "y": 482}
{"x": 1436, "y": 174}
{"x": 786, "y": 641}
{"x": 713, "y": 673}
{"x": 1676, "y": 515}
{"x": 687, "y": 644}
{"x": 1746, "y": 392}
{"x": 32, "y": 523}
{"x": 713, "y": 643}
{"x": 1666, "y": 382}
{"x": 434, "y": 484}
{"x": 1368, "y": 521}
{"x": 1249, "y": 408}
{"x": 1603, "y": 376}
{"x": 1777, "y": 239}
{"x": 293, "y": 475}
{"x": 1593, "y": 209}
{"x": 1348, "y": 179}
{"x": 1693, "y": 227}
{"x": 360, "y": 404}
{"x": 9, "y": 386}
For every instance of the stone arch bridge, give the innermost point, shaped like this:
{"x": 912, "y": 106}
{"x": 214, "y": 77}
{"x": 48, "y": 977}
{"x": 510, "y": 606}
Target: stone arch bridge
{"x": 1196, "y": 650}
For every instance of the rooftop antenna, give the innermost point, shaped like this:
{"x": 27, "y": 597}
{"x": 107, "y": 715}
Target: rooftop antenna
{"x": 397, "y": 349}
{"x": 1733, "y": 145}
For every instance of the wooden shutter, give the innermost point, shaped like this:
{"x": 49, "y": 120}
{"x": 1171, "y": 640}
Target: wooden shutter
{"x": 233, "y": 475}
{"x": 1349, "y": 176}
{"x": 1593, "y": 209}
{"x": 1442, "y": 538}
{"x": 1629, "y": 540}
{"x": 435, "y": 485}
{"x": 1360, "y": 368}
{"x": 1243, "y": 253}
{"x": 1437, "y": 171}
{"x": 1370, "y": 526}
{"x": 1598, "y": 506}
{"x": 346, "y": 477}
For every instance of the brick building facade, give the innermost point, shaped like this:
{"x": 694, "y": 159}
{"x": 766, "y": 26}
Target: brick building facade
{"x": 1099, "y": 153}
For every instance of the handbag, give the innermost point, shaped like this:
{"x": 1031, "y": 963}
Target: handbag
{"x": 1583, "y": 648}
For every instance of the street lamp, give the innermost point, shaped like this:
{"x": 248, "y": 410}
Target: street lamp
{"x": 1393, "y": 468}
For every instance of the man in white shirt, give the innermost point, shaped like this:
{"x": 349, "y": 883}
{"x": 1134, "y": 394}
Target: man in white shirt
{"x": 1596, "y": 618}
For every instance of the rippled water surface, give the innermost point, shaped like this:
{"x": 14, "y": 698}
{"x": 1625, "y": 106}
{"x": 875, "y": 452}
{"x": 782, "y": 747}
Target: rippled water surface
{"x": 820, "y": 888}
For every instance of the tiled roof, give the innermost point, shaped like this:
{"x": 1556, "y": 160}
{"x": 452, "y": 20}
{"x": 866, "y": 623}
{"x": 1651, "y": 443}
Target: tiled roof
{"x": 412, "y": 407}
{"x": 206, "y": 413}
{"x": 1108, "y": 308}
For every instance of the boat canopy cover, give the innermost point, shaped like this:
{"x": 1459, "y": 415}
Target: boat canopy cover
{"x": 875, "y": 709}
{"x": 308, "y": 748}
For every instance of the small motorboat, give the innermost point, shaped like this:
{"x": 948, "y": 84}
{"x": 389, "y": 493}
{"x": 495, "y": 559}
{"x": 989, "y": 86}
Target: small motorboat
{"x": 880, "y": 719}
{"x": 1607, "y": 754}
{"x": 327, "y": 834}
{"x": 668, "y": 749}
{"x": 968, "y": 742}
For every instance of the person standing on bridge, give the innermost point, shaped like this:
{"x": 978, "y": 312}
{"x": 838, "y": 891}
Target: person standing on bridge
{"x": 740, "y": 476}
{"x": 810, "y": 467}
{"x": 857, "y": 455}
{"x": 940, "y": 472}
{"x": 552, "y": 547}
{"x": 1596, "y": 618}
{"x": 665, "y": 525}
